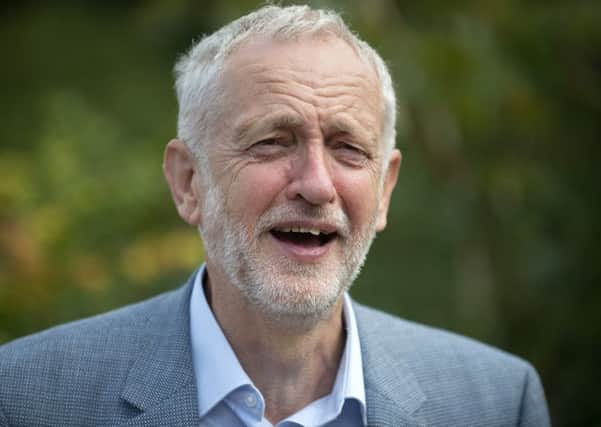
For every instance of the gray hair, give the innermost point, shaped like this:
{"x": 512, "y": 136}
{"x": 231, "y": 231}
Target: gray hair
{"x": 197, "y": 72}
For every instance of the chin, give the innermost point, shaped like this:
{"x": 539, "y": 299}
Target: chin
{"x": 304, "y": 293}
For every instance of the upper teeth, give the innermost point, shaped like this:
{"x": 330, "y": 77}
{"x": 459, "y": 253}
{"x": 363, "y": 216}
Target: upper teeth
{"x": 313, "y": 231}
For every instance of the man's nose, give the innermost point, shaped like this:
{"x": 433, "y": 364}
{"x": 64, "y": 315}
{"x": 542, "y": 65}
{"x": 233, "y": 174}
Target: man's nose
{"x": 311, "y": 177}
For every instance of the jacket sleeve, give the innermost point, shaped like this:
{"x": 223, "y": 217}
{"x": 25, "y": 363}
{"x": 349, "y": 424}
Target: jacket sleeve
{"x": 3, "y": 420}
{"x": 533, "y": 411}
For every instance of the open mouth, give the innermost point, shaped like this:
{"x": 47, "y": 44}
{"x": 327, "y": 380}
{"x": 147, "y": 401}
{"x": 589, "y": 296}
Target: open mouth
{"x": 306, "y": 237}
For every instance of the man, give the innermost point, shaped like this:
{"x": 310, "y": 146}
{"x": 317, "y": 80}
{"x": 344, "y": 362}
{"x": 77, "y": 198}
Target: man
{"x": 285, "y": 162}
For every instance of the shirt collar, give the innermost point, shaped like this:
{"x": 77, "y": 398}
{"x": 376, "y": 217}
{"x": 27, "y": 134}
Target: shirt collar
{"x": 210, "y": 349}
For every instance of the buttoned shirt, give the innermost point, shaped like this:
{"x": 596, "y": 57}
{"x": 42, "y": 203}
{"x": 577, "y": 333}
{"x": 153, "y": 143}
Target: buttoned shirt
{"x": 228, "y": 397}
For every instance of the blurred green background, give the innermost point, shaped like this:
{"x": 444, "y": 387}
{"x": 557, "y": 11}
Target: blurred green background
{"x": 494, "y": 226}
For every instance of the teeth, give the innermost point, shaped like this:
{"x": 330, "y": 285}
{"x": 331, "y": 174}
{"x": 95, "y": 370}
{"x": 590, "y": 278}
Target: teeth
{"x": 313, "y": 231}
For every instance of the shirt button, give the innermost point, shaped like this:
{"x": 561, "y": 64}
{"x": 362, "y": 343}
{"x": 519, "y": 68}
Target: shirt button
{"x": 250, "y": 400}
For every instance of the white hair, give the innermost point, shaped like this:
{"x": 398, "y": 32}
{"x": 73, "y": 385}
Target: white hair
{"x": 197, "y": 72}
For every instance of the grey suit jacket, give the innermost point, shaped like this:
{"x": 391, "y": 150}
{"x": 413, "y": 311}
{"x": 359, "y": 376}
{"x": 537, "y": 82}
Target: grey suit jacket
{"x": 133, "y": 367}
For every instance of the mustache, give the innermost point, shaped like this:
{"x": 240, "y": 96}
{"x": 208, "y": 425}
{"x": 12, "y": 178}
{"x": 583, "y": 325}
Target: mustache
{"x": 298, "y": 212}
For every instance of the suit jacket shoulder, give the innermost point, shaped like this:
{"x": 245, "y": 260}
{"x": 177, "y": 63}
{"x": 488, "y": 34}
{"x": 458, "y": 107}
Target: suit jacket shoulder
{"x": 426, "y": 376}
{"x": 104, "y": 370}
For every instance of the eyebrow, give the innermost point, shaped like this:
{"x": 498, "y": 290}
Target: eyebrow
{"x": 273, "y": 121}
{"x": 340, "y": 125}
{"x": 285, "y": 120}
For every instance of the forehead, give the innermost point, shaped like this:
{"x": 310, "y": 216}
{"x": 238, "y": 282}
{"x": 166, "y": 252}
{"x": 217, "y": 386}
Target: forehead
{"x": 320, "y": 72}
{"x": 276, "y": 51}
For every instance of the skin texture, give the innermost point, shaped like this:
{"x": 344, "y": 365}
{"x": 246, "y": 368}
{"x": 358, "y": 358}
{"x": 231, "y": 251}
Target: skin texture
{"x": 297, "y": 143}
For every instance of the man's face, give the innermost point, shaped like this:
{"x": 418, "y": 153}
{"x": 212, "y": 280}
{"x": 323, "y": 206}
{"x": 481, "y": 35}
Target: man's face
{"x": 297, "y": 185}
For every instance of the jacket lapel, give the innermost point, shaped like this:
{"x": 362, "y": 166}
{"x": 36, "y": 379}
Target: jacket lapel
{"x": 392, "y": 392}
{"x": 161, "y": 383}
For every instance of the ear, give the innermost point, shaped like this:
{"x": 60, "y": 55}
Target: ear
{"x": 391, "y": 174}
{"x": 184, "y": 180}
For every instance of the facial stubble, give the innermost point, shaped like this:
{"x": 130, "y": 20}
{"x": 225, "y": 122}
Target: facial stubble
{"x": 278, "y": 286}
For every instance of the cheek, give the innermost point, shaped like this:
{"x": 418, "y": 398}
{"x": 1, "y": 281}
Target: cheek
{"x": 358, "y": 192}
{"x": 254, "y": 190}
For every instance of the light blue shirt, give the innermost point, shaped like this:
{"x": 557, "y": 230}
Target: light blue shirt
{"x": 228, "y": 397}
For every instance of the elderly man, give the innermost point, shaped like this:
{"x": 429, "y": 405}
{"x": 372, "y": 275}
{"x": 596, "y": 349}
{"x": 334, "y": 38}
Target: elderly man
{"x": 285, "y": 162}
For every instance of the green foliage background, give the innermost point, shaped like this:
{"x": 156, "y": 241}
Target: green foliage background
{"x": 494, "y": 228}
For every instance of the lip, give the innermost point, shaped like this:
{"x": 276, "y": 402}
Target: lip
{"x": 324, "y": 227}
{"x": 301, "y": 253}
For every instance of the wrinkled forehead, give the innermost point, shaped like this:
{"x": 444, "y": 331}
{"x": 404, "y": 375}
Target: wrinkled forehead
{"x": 274, "y": 52}
{"x": 315, "y": 63}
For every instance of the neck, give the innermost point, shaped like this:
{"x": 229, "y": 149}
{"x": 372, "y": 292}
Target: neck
{"x": 291, "y": 362}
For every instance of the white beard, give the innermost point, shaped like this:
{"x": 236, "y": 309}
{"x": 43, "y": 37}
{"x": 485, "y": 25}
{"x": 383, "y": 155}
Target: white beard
{"x": 281, "y": 287}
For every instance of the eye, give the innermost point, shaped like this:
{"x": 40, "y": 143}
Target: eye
{"x": 350, "y": 147}
{"x": 269, "y": 141}
{"x": 270, "y": 147}
{"x": 350, "y": 153}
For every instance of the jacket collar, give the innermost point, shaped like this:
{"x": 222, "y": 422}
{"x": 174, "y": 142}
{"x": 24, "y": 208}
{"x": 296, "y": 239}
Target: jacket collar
{"x": 160, "y": 382}
{"x": 393, "y": 393}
